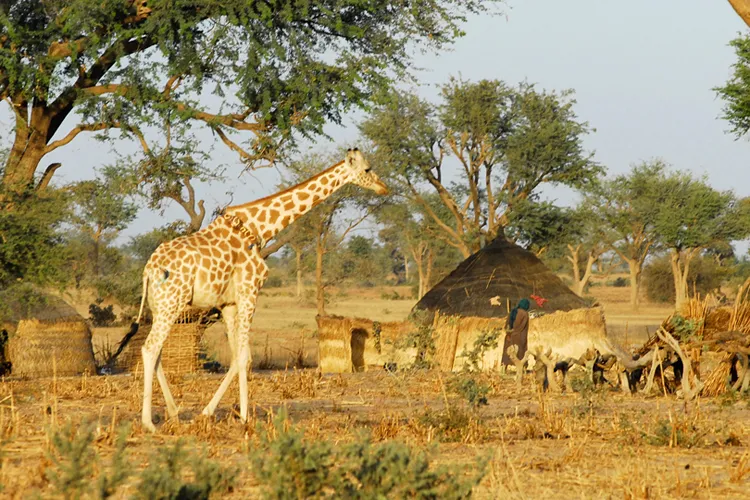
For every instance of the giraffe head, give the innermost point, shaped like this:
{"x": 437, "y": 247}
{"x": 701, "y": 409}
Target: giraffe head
{"x": 361, "y": 173}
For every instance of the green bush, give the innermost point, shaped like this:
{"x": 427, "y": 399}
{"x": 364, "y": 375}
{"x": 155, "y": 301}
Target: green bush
{"x": 274, "y": 282}
{"x": 101, "y": 316}
{"x": 162, "y": 479}
{"x": 704, "y": 277}
{"x": 288, "y": 466}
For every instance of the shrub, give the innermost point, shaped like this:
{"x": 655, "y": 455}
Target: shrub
{"x": 704, "y": 277}
{"x": 274, "y": 282}
{"x": 288, "y": 466}
{"x": 486, "y": 340}
{"x": 162, "y": 479}
{"x": 467, "y": 387}
{"x": 423, "y": 340}
{"x": 621, "y": 282}
{"x": 101, "y": 316}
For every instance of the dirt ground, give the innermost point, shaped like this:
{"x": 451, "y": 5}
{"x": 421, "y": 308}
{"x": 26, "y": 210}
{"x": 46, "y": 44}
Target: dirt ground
{"x": 589, "y": 444}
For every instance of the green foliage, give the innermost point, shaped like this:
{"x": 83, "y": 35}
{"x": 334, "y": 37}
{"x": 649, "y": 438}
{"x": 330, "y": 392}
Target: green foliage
{"x": 23, "y": 298}
{"x": 685, "y": 329}
{"x": 284, "y": 65}
{"x": 289, "y": 466}
{"x": 72, "y": 460}
{"x": 30, "y": 239}
{"x": 736, "y": 92}
{"x": 470, "y": 389}
{"x": 486, "y": 340}
{"x": 101, "y": 316}
{"x": 163, "y": 478}
{"x": 517, "y": 137}
{"x": 274, "y": 282}
{"x": 107, "y": 484}
{"x": 621, "y": 282}
{"x": 422, "y": 339}
{"x": 705, "y": 276}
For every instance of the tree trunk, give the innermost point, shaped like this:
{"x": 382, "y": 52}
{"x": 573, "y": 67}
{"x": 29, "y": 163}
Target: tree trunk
{"x": 428, "y": 273}
{"x": 298, "y": 259}
{"x": 635, "y": 278}
{"x": 28, "y": 149}
{"x": 406, "y": 268}
{"x": 319, "y": 285}
{"x": 680, "y": 269}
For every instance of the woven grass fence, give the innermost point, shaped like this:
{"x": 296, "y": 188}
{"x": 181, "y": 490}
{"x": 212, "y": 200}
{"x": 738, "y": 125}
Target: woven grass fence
{"x": 179, "y": 355}
{"x": 357, "y": 344}
{"x": 354, "y": 344}
{"x": 43, "y": 349}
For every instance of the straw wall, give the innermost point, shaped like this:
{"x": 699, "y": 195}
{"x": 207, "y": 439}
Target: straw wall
{"x": 357, "y": 344}
{"x": 567, "y": 333}
{"x": 41, "y": 349}
{"x": 179, "y": 355}
{"x": 350, "y": 344}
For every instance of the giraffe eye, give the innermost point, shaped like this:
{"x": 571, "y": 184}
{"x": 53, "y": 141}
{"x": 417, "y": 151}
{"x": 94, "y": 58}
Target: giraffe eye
{"x": 367, "y": 170}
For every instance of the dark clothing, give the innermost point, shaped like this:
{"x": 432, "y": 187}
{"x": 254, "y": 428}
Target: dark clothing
{"x": 518, "y": 335}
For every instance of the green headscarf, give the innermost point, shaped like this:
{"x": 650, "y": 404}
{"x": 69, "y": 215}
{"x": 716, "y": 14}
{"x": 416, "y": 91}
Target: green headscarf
{"x": 522, "y": 304}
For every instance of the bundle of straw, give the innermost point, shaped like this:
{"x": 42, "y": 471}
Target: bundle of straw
{"x": 717, "y": 382}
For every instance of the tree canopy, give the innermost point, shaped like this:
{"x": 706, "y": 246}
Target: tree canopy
{"x": 74, "y": 66}
{"x": 486, "y": 148}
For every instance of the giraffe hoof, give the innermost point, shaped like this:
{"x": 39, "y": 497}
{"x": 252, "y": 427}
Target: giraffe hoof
{"x": 207, "y": 411}
{"x": 149, "y": 426}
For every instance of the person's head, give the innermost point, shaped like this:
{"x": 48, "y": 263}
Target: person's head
{"x": 524, "y": 304}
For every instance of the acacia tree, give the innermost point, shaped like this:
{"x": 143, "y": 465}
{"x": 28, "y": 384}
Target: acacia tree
{"x": 100, "y": 210}
{"x": 627, "y": 206}
{"x": 504, "y": 144}
{"x": 75, "y": 66}
{"x": 693, "y": 217}
{"x": 326, "y": 225}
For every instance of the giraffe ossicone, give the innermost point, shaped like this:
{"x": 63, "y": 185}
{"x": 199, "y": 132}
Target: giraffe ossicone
{"x": 221, "y": 266}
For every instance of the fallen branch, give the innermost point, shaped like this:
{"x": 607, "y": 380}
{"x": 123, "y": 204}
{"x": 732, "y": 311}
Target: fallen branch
{"x": 688, "y": 391}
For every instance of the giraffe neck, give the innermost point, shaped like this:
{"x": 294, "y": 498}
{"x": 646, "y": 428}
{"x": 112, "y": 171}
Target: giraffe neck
{"x": 272, "y": 214}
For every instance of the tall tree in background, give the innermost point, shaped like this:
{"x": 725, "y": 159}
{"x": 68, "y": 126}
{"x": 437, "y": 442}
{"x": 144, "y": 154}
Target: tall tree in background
{"x": 486, "y": 148}
{"x": 100, "y": 210}
{"x": 628, "y": 206}
{"x": 692, "y": 217}
{"x": 91, "y": 65}
{"x": 327, "y": 224}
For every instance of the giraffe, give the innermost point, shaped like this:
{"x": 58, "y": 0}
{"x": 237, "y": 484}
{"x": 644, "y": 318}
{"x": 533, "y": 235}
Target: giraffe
{"x": 221, "y": 266}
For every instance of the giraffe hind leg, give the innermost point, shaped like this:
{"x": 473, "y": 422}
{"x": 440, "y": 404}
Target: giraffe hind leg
{"x": 229, "y": 313}
{"x": 151, "y": 351}
{"x": 172, "y": 410}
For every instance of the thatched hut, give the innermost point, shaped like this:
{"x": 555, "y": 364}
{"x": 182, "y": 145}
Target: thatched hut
{"x": 478, "y": 295}
{"x": 46, "y": 336}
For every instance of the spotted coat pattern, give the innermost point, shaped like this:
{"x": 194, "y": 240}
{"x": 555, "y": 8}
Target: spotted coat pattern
{"x": 221, "y": 266}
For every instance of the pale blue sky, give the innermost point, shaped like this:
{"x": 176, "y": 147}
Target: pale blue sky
{"x": 642, "y": 70}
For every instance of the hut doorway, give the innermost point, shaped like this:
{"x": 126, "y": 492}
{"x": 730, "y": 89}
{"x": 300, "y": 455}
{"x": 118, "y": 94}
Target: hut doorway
{"x": 359, "y": 337}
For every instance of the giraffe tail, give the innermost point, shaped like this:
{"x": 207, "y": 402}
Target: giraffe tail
{"x": 133, "y": 327}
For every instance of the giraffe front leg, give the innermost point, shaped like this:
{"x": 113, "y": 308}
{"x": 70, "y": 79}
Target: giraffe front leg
{"x": 246, "y": 312}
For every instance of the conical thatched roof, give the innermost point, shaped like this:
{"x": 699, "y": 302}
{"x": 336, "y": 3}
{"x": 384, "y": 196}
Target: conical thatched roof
{"x": 21, "y": 303}
{"x": 500, "y": 269}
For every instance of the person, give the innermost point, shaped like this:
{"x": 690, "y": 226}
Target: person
{"x": 518, "y": 330}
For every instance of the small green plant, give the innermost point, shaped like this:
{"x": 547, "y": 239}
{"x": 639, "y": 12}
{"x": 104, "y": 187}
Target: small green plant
{"x": 423, "y": 339}
{"x": 467, "y": 387}
{"x": 686, "y": 330}
{"x": 675, "y": 432}
{"x": 488, "y": 339}
{"x": 72, "y": 459}
{"x": 163, "y": 478}
{"x": 590, "y": 394}
{"x": 291, "y": 467}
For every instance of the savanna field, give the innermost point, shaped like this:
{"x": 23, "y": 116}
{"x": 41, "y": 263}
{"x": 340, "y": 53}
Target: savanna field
{"x": 316, "y": 434}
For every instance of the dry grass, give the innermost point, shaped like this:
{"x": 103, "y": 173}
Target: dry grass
{"x": 540, "y": 444}
{"x": 586, "y": 445}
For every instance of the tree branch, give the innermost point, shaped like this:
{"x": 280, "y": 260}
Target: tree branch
{"x": 83, "y": 127}
{"x": 742, "y": 8}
